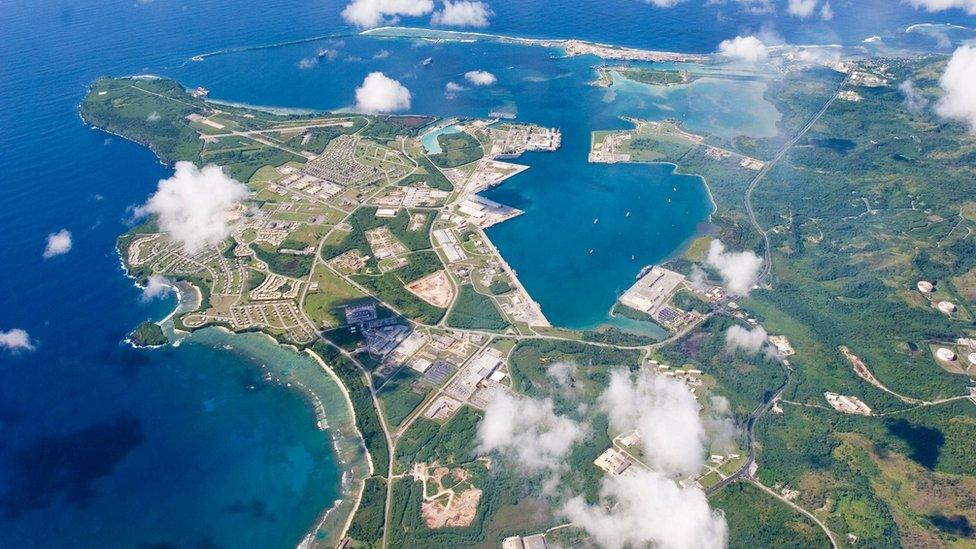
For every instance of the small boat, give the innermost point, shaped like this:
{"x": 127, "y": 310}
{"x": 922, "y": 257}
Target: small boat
{"x": 427, "y": 62}
{"x": 591, "y": 252}
{"x": 628, "y": 214}
{"x": 596, "y": 220}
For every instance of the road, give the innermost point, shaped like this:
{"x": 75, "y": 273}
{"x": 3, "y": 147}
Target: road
{"x": 763, "y": 409}
{"x": 767, "y": 266}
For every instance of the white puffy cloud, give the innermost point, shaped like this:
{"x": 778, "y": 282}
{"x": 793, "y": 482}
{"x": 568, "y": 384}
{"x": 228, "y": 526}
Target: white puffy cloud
{"x": 381, "y": 94}
{"x": 16, "y": 340}
{"x": 373, "y": 13}
{"x": 58, "y": 243}
{"x": 738, "y": 269}
{"x": 451, "y": 89}
{"x": 664, "y": 3}
{"x": 191, "y": 206}
{"x": 665, "y": 414}
{"x": 480, "y": 78}
{"x": 153, "y": 117}
{"x": 645, "y": 508}
{"x": 751, "y": 341}
{"x": 528, "y": 432}
{"x": 801, "y": 8}
{"x": 463, "y": 13}
{"x": 914, "y": 100}
{"x": 156, "y": 286}
{"x": 959, "y": 83}
{"x": 942, "y": 5}
{"x": 306, "y": 63}
{"x": 744, "y": 48}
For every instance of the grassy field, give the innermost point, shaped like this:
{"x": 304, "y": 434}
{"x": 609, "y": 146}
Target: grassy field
{"x": 401, "y": 395}
{"x": 333, "y": 292}
{"x": 475, "y": 311}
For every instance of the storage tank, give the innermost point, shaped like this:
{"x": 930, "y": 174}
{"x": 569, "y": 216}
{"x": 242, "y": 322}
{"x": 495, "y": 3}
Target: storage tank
{"x": 925, "y": 286}
{"x": 947, "y": 307}
{"x": 945, "y": 354}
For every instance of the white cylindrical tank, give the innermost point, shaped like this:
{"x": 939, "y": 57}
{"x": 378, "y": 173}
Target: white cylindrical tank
{"x": 972, "y": 358}
{"x": 947, "y": 307}
{"x": 925, "y": 286}
{"x": 945, "y": 354}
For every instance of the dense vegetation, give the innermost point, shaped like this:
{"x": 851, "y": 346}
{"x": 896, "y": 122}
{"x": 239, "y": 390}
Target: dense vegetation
{"x": 295, "y": 266}
{"x": 367, "y": 418}
{"x": 475, "y": 311}
{"x": 367, "y": 523}
{"x": 756, "y": 519}
{"x": 457, "y": 149}
{"x": 148, "y": 334}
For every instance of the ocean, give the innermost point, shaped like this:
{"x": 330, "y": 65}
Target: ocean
{"x": 105, "y": 445}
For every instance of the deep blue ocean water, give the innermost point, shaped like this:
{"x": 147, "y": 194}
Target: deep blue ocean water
{"x": 103, "y": 445}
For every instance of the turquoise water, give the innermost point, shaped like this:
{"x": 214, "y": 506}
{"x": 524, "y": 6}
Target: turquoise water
{"x": 429, "y": 139}
{"x": 107, "y": 446}
{"x": 574, "y": 267}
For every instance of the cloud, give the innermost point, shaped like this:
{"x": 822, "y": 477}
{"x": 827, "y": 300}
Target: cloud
{"x": 463, "y": 13}
{"x": 665, "y": 414}
{"x": 750, "y": 341}
{"x": 528, "y": 432}
{"x": 818, "y": 54}
{"x": 942, "y": 5}
{"x": 451, "y": 89}
{"x": 645, "y": 508}
{"x": 738, "y": 269}
{"x": 58, "y": 243}
{"x": 664, "y": 3}
{"x": 153, "y": 117}
{"x": 959, "y": 83}
{"x": 308, "y": 63}
{"x": 801, "y": 8}
{"x": 744, "y": 48}
{"x": 191, "y": 206}
{"x": 563, "y": 373}
{"x": 827, "y": 12}
{"x": 914, "y": 100}
{"x": 480, "y": 78}
{"x": 380, "y": 93}
{"x": 16, "y": 340}
{"x": 382, "y": 54}
{"x": 373, "y": 13}
{"x": 156, "y": 286}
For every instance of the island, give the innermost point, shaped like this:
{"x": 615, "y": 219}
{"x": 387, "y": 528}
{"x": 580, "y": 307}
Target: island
{"x": 832, "y": 370}
{"x": 148, "y": 334}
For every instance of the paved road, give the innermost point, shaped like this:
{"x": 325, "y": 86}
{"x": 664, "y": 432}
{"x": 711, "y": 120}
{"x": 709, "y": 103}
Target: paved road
{"x": 767, "y": 254}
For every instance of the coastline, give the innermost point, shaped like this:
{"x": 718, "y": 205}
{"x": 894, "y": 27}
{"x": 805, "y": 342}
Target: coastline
{"x": 338, "y": 419}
